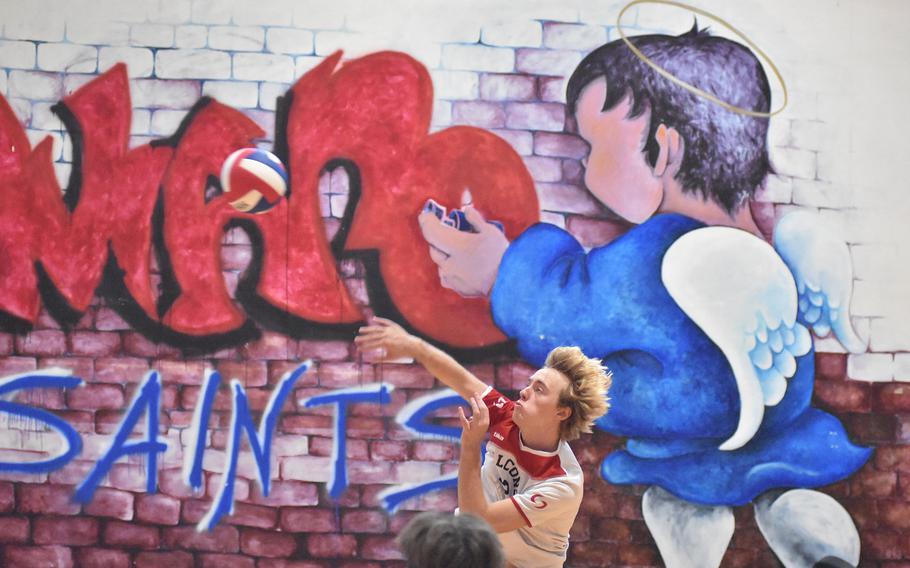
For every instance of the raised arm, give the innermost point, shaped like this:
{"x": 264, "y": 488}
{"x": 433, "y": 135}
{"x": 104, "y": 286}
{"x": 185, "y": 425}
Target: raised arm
{"x": 395, "y": 343}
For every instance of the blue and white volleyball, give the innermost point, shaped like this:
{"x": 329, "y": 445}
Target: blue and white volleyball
{"x": 253, "y": 180}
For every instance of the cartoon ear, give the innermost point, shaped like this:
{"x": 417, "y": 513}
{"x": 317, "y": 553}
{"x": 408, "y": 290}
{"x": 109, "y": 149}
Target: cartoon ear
{"x": 671, "y": 147}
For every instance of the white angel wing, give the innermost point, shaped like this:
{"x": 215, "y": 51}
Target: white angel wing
{"x": 742, "y": 296}
{"x": 820, "y": 263}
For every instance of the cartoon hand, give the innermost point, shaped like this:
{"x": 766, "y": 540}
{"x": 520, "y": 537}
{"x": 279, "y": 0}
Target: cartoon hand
{"x": 468, "y": 262}
{"x": 474, "y": 429}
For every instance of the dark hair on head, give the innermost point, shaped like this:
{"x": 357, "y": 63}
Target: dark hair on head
{"x": 444, "y": 540}
{"x": 726, "y": 153}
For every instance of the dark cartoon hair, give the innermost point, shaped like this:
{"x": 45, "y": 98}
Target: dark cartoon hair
{"x": 444, "y": 540}
{"x": 726, "y": 153}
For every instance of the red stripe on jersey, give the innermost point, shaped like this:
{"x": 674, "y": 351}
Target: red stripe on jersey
{"x": 522, "y": 513}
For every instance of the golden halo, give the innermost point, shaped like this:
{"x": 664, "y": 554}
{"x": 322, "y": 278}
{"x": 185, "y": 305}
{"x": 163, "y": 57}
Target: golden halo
{"x": 692, "y": 88}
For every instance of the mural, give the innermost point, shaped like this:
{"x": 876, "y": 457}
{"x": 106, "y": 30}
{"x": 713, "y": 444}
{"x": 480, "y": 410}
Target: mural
{"x": 178, "y": 381}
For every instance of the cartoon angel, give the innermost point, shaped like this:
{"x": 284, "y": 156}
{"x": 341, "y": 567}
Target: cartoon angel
{"x": 703, "y": 323}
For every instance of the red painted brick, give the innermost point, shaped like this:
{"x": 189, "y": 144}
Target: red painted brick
{"x": 95, "y": 396}
{"x": 271, "y": 345}
{"x": 253, "y": 516}
{"x": 180, "y": 372}
{"x": 595, "y": 232}
{"x": 111, "y": 503}
{"x": 381, "y": 548}
{"x": 591, "y": 553}
{"x": 15, "y": 365}
{"x": 173, "y": 559}
{"x": 831, "y": 366}
{"x": 131, "y": 535}
{"x": 56, "y": 499}
{"x": 270, "y": 544}
{"x": 359, "y": 427}
{"x": 364, "y": 522}
{"x": 94, "y": 343}
{"x": 121, "y": 370}
{"x": 341, "y": 375}
{"x": 249, "y": 373}
{"x": 278, "y": 369}
{"x": 405, "y": 376}
{"x": 868, "y": 429}
{"x": 102, "y": 558}
{"x": 79, "y": 531}
{"x": 157, "y": 509}
{"x": 194, "y": 510}
{"x": 892, "y": 397}
{"x": 354, "y": 449}
{"x": 282, "y": 563}
{"x": 559, "y": 145}
{"x": 6, "y": 344}
{"x": 13, "y": 530}
{"x": 287, "y": 493}
{"x": 323, "y": 350}
{"x": 843, "y": 396}
{"x": 71, "y": 474}
{"x": 227, "y": 561}
{"x": 137, "y": 345}
{"x": 502, "y": 87}
{"x": 478, "y": 113}
{"x": 881, "y": 544}
{"x": 309, "y": 520}
{"x": 895, "y": 514}
{"x": 222, "y": 538}
{"x": 893, "y": 458}
{"x": 7, "y": 497}
{"x": 389, "y": 450}
{"x": 107, "y": 319}
{"x": 43, "y": 343}
{"x": 38, "y": 557}
{"x": 332, "y": 546}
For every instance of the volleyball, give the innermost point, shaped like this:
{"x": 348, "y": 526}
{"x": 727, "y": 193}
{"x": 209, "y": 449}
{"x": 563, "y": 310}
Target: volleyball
{"x": 253, "y": 180}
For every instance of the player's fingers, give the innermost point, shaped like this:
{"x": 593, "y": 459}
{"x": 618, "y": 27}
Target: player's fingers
{"x": 465, "y": 423}
{"x": 447, "y": 239}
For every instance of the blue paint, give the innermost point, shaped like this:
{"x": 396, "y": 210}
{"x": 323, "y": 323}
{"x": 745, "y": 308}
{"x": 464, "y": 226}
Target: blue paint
{"x": 201, "y": 422}
{"x": 148, "y": 400}
{"x": 375, "y": 393}
{"x": 393, "y": 498}
{"x": 260, "y": 442}
{"x": 48, "y": 378}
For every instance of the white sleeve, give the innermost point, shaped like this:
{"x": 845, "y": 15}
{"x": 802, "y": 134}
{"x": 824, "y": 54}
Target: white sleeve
{"x": 546, "y": 500}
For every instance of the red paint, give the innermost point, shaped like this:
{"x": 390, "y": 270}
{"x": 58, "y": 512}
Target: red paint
{"x": 374, "y": 112}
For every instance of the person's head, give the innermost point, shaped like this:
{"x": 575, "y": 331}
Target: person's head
{"x": 568, "y": 393}
{"x": 444, "y": 540}
{"x": 642, "y": 127}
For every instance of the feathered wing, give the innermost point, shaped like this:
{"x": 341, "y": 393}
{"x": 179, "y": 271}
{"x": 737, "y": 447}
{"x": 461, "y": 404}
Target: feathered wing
{"x": 741, "y": 294}
{"x": 821, "y": 265}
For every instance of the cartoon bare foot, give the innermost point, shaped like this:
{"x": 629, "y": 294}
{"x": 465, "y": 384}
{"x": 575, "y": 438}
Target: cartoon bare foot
{"x": 687, "y": 535}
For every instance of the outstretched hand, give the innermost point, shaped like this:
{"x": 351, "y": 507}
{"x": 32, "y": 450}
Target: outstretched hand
{"x": 474, "y": 429}
{"x": 468, "y": 262}
{"x": 387, "y": 338}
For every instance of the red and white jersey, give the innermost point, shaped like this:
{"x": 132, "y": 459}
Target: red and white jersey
{"x": 545, "y": 487}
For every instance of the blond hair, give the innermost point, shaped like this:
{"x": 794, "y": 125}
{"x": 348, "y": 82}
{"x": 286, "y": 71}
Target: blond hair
{"x": 586, "y": 394}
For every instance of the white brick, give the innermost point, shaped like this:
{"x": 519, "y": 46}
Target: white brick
{"x": 521, "y": 141}
{"x": 72, "y": 83}
{"x": 237, "y": 38}
{"x": 808, "y": 134}
{"x": 166, "y": 122}
{"x": 557, "y": 219}
{"x": 876, "y": 260}
{"x": 22, "y": 108}
{"x": 294, "y": 42}
{"x": 17, "y": 54}
{"x": 67, "y": 57}
{"x": 141, "y": 121}
{"x": 303, "y": 63}
{"x": 192, "y": 64}
{"x": 191, "y": 37}
{"x": 264, "y": 13}
{"x": 876, "y": 367}
{"x": 544, "y": 169}
{"x": 832, "y": 167}
{"x": 778, "y": 189}
{"x": 269, "y": 93}
{"x": 547, "y": 62}
{"x": 36, "y": 136}
{"x": 571, "y": 36}
{"x": 3, "y": 82}
{"x": 35, "y": 85}
{"x": 138, "y": 60}
{"x": 821, "y": 194}
{"x": 43, "y": 118}
{"x": 108, "y": 10}
{"x": 266, "y": 120}
{"x": 36, "y": 21}
{"x": 338, "y": 204}
{"x": 891, "y": 333}
{"x": 556, "y": 11}
{"x": 794, "y": 162}
{"x": 169, "y": 11}
{"x": 67, "y": 147}
{"x": 565, "y": 198}
{"x": 154, "y": 93}
{"x": 90, "y": 31}
{"x": 442, "y": 113}
{"x": 902, "y": 366}
{"x": 779, "y": 133}
{"x": 306, "y": 468}
{"x": 318, "y": 14}
{"x": 553, "y": 89}
{"x": 513, "y": 34}
{"x": 211, "y": 11}
{"x": 263, "y": 67}
{"x": 152, "y": 35}
{"x": 478, "y": 58}
{"x": 233, "y": 93}
{"x": 455, "y": 84}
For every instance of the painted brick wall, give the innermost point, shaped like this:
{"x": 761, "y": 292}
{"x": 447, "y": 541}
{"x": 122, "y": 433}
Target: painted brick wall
{"x": 496, "y": 67}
